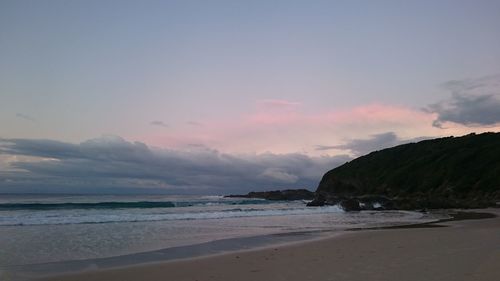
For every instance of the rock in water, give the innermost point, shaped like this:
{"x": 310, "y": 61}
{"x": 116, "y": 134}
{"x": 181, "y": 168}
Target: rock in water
{"x": 351, "y": 204}
{"x": 284, "y": 195}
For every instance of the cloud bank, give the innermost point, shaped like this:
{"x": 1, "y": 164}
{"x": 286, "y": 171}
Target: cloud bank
{"x": 112, "y": 164}
{"x": 473, "y": 102}
{"x": 375, "y": 142}
{"x": 25, "y": 117}
{"x": 158, "y": 123}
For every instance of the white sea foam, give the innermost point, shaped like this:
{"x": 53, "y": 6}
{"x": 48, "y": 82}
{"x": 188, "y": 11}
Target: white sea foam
{"x": 81, "y": 231}
{"x": 79, "y": 217}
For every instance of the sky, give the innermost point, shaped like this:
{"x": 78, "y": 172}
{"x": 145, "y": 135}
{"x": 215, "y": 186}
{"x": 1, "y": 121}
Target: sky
{"x": 220, "y": 97}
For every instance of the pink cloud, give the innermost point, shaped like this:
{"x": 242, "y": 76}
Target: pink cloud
{"x": 376, "y": 113}
{"x": 273, "y": 111}
{"x": 283, "y": 127}
{"x": 275, "y": 103}
{"x": 365, "y": 114}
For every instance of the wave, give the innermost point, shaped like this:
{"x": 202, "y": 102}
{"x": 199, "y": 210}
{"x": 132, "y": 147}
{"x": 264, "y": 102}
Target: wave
{"x": 122, "y": 205}
{"x": 99, "y": 205}
{"x": 42, "y": 219}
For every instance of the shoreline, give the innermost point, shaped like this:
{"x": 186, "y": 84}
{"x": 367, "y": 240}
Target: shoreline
{"x": 184, "y": 268}
{"x": 25, "y": 272}
{"x": 173, "y": 254}
{"x": 454, "y": 216}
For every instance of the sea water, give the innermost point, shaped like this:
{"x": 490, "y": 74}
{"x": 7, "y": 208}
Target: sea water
{"x": 41, "y": 229}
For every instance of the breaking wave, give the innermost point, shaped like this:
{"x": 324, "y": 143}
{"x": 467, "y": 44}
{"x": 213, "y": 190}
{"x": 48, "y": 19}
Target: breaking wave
{"x": 122, "y": 205}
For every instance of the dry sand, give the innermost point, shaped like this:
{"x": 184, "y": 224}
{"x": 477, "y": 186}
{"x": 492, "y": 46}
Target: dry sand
{"x": 465, "y": 250}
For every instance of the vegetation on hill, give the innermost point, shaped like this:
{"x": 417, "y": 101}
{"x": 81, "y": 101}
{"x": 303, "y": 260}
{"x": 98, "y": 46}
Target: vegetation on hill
{"x": 440, "y": 173}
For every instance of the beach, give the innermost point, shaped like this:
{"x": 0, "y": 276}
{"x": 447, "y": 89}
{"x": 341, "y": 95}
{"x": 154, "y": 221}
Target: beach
{"x": 452, "y": 250}
{"x": 249, "y": 140}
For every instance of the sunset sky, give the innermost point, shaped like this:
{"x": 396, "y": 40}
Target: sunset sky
{"x": 231, "y": 96}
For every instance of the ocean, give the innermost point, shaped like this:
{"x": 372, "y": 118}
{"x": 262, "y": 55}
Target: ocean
{"x": 55, "y": 231}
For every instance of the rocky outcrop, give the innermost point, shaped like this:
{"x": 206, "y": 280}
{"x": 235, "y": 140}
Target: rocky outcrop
{"x": 284, "y": 195}
{"x": 355, "y": 203}
{"x": 453, "y": 172}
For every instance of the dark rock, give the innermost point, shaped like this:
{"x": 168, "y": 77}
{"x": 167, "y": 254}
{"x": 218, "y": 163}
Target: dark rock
{"x": 351, "y": 204}
{"x": 317, "y": 202}
{"x": 284, "y": 195}
{"x": 375, "y": 202}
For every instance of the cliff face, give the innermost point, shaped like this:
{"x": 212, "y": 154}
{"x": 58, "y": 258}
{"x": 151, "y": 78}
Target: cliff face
{"x": 439, "y": 173}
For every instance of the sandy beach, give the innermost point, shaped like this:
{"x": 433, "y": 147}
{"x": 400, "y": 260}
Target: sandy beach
{"x": 461, "y": 250}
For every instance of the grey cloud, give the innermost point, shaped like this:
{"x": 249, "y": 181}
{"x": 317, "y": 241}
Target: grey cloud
{"x": 112, "y": 162}
{"x": 158, "y": 123}
{"x": 279, "y": 174}
{"x": 326, "y": 147}
{"x": 194, "y": 123}
{"x": 473, "y": 102}
{"x": 375, "y": 142}
{"x": 196, "y": 145}
{"x": 25, "y": 117}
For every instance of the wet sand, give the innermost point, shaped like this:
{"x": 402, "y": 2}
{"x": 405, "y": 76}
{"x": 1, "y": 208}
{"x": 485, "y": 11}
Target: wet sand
{"x": 463, "y": 250}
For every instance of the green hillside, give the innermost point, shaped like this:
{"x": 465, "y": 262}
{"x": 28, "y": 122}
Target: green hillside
{"x": 446, "y": 172}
